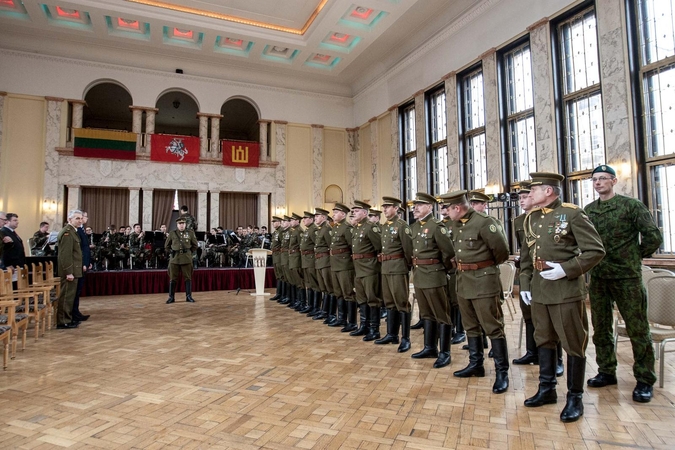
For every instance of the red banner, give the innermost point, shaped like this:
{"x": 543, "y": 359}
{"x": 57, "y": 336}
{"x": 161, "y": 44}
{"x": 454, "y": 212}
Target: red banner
{"x": 175, "y": 149}
{"x": 240, "y": 153}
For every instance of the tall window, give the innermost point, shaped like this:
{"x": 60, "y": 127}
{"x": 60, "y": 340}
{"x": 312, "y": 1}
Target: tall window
{"x": 519, "y": 102}
{"x": 656, "y": 30}
{"x": 438, "y": 146}
{"x": 408, "y": 152}
{"x": 473, "y": 127}
{"x": 584, "y": 139}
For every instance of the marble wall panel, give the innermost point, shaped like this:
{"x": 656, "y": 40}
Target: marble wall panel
{"x": 375, "y": 160}
{"x": 263, "y": 211}
{"x": 73, "y": 201}
{"x": 420, "y": 142}
{"x": 203, "y": 136}
{"x": 492, "y": 133}
{"x": 279, "y": 191}
{"x": 353, "y": 164}
{"x": 202, "y": 204}
{"x": 215, "y": 209}
{"x": 263, "y": 140}
{"x": 395, "y": 153}
{"x": 53, "y": 189}
{"x": 317, "y": 164}
{"x": 147, "y": 209}
{"x": 215, "y": 137}
{"x": 454, "y": 179}
{"x": 134, "y": 204}
{"x": 545, "y": 134}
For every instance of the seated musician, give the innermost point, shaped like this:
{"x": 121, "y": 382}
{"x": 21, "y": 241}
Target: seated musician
{"x": 137, "y": 248}
{"x": 40, "y": 239}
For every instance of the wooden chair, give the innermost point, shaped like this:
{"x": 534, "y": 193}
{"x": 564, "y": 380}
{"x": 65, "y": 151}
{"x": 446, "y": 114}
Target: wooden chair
{"x": 507, "y": 275}
{"x": 36, "y": 309}
{"x": 7, "y": 311}
{"x": 20, "y": 319}
{"x": 50, "y": 299}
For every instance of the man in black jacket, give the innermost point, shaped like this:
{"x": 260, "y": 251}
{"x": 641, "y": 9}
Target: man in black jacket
{"x": 13, "y": 254}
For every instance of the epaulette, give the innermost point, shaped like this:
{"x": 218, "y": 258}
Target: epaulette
{"x": 570, "y": 205}
{"x": 438, "y": 221}
{"x": 482, "y": 214}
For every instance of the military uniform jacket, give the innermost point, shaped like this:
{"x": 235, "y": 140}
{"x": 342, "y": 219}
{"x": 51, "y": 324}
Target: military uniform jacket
{"x": 307, "y": 245}
{"x": 366, "y": 240}
{"x": 190, "y": 221}
{"x": 275, "y": 243}
{"x": 628, "y": 234}
{"x": 479, "y": 237}
{"x": 448, "y": 224}
{"x": 430, "y": 241}
{"x": 70, "y": 252}
{"x": 135, "y": 241}
{"x": 562, "y": 233}
{"x": 396, "y": 240}
{"x": 341, "y": 245}
{"x": 183, "y": 243}
{"x": 39, "y": 239}
{"x": 519, "y": 228}
{"x": 294, "y": 259}
{"x": 284, "y": 238}
{"x": 322, "y": 245}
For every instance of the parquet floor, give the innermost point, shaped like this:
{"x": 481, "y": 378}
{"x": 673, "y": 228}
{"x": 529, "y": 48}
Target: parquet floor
{"x": 240, "y": 372}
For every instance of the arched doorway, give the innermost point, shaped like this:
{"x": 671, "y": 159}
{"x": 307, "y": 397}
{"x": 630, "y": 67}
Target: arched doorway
{"x": 240, "y": 120}
{"x": 177, "y": 114}
{"x": 107, "y": 107}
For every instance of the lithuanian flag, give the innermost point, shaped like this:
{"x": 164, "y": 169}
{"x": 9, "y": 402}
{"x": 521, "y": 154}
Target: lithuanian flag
{"x": 107, "y": 144}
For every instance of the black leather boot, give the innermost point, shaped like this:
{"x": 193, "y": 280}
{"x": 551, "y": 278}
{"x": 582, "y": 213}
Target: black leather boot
{"x": 404, "y": 318}
{"x": 316, "y": 304}
{"x": 444, "y": 332}
{"x": 325, "y": 306}
{"x": 373, "y": 324}
{"x": 350, "y": 326}
{"x": 501, "y": 357}
{"x": 172, "y": 292}
{"x": 340, "y": 314}
{"x": 188, "y": 291}
{"x": 546, "y": 394}
{"x": 362, "y": 329}
{"x": 560, "y": 367}
{"x": 383, "y": 312}
{"x": 576, "y": 373}
{"x": 460, "y": 335}
{"x": 475, "y": 367}
{"x": 277, "y": 296}
{"x": 310, "y": 306}
{"x": 332, "y": 310}
{"x": 302, "y": 299}
{"x": 531, "y": 355}
{"x": 430, "y": 349}
{"x": 289, "y": 291}
{"x": 393, "y": 322}
{"x": 418, "y": 325}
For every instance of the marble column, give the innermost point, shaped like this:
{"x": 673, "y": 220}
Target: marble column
{"x": 264, "y": 151}
{"x": 202, "y": 203}
{"x": 317, "y": 164}
{"x": 149, "y": 127}
{"x": 279, "y": 196}
{"x": 52, "y": 193}
{"x": 420, "y": 143}
{"x": 215, "y": 210}
{"x": 78, "y": 113}
{"x": 203, "y": 135}
{"x": 395, "y": 153}
{"x": 137, "y": 125}
{"x": 374, "y": 160}
{"x": 545, "y": 134}
{"x": 616, "y": 98}
{"x": 493, "y": 150}
{"x": 215, "y": 136}
{"x": 2, "y": 108}
{"x": 73, "y": 201}
{"x": 353, "y": 166}
{"x": 147, "y": 209}
{"x": 263, "y": 211}
{"x": 452, "y": 124}
{"x": 134, "y": 205}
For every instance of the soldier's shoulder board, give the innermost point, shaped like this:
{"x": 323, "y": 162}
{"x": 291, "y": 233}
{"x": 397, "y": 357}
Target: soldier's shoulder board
{"x": 570, "y": 205}
{"x": 482, "y": 214}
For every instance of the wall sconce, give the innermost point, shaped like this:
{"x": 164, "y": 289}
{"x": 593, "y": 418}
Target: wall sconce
{"x": 49, "y": 205}
{"x": 280, "y": 211}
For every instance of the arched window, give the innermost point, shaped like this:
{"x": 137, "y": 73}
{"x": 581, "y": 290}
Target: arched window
{"x": 107, "y": 107}
{"x": 177, "y": 114}
{"x": 240, "y": 120}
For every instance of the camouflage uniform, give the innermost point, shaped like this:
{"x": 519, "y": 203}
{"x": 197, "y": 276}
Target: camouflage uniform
{"x": 629, "y": 234}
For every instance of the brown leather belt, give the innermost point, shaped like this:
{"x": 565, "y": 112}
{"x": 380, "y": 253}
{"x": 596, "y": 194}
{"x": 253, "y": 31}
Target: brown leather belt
{"x": 338, "y": 251}
{"x": 540, "y": 264}
{"x": 307, "y": 252}
{"x": 425, "y": 262}
{"x": 293, "y": 251}
{"x": 475, "y": 266}
{"x": 363, "y": 255}
{"x": 381, "y": 257}
{"x": 321, "y": 255}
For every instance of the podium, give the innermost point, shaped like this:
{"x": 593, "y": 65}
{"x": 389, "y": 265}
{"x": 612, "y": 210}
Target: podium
{"x": 259, "y": 257}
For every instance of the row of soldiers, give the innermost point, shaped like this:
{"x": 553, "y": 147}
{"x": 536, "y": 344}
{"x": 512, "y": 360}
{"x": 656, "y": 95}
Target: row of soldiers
{"x": 332, "y": 271}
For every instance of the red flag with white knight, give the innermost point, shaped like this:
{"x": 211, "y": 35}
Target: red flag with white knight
{"x": 175, "y": 149}
{"x": 240, "y": 153}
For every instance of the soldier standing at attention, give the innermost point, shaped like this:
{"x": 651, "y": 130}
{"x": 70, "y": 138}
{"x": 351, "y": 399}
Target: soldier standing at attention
{"x": 342, "y": 268}
{"x": 480, "y": 246}
{"x": 275, "y": 244}
{"x": 458, "y": 335}
{"x": 629, "y": 234}
{"x": 70, "y": 269}
{"x": 288, "y": 288}
{"x": 561, "y": 244}
{"x": 366, "y": 245}
{"x": 322, "y": 264}
{"x": 432, "y": 257}
{"x": 295, "y": 263}
{"x": 181, "y": 243}
{"x": 396, "y": 258}
{"x": 308, "y": 266}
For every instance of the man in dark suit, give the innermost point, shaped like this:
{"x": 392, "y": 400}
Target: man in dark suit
{"x": 86, "y": 265}
{"x": 70, "y": 268}
{"x": 13, "y": 254}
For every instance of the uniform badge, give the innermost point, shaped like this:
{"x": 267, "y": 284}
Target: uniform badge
{"x": 376, "y": 229}
{"x": 556, "y": 238}
{"x": 443, "y": 231}
{"x": 407, "y": 231}
{"x": 493, "y": 228}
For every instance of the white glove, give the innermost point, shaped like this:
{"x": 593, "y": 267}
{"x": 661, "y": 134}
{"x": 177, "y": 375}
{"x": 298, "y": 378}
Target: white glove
{"x": 555, "y": 273}
{"x": 526, "y": 296}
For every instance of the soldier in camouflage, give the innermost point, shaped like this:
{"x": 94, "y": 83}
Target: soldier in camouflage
{"x": 629, "y": 234}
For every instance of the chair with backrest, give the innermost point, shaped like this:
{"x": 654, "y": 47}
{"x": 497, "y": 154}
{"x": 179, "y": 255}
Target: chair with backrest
{"x": 661, "y": 315}
{"x": 507, "y": 275}
{"x": 7, "y": 313}
{"x": 50, "y": 298}
{"x": 36, "y": 307}
{"x": 20, "y": 322}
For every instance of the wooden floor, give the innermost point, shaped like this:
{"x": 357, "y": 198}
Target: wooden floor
{"x": 240, "y": 372}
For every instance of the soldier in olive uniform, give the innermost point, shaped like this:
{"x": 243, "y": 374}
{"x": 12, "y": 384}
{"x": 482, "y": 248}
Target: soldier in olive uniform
{"x": 275, "y": 244}
{"x": 295, "y": 263}
{"x": 284, "y": 238}
{"x": 70, "y": 269}
{"x": 458, "y": 335}
{"x": 308, "y": 266}
{"x": 432, "y": 257}
{"x": 342, "y": 268}
{"x": 181, "y": 244}
{"x": 396, "y": 258}
{"x": 561, "y": 244}
{"x": 366, "y": 245}
{"x": 480, "y": 246}
{"x": 478, "y": 201}
{"x": 629, "y": 234}
{"x": 374, "y": 216}
{"x": 322, "y": 264}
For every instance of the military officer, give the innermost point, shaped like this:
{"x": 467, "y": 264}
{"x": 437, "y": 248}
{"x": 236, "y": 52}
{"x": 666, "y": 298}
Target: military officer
{"x": 342, "y": 268}
{"x": 561, "y": 244}
{"x": 396, "y": 258}
{"x": 182, "y": 243}
{"x": 478, "y": 201}
{"x": 295, "y": 263}
{"x": 275, "y": 244}
{"x": 284, "y": 238}
{"x": 481, "y": 246}
{"x": 432, "y": 257}
{"x": 374, "y": 215}
{"x": 366, "y": 245}
{"x": 322, "y": 264}
{"x": 629, "y": 234}
{"x": 459, "y": 335}
{"x": 70, "y": 269}
{"x": 307, "y": 240}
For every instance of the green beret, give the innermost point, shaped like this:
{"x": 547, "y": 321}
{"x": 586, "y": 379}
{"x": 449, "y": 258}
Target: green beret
{"x": 374, "y": 212}
{"x": 309, "y": 215}
{"x": 454, "y": 197}
{"x": 546, "y": 178}
{"x": 358, "y": 204}
{"x": 321, "y": 211}
{"x": 604, "y": 169}
{"x": 422, "y": 197}
{"x": 340, "y": 207}
{"x": 295, "y": 216}
{"x": 476, "y": 196}
{"x": 393, "y": 201}
{"x": 524, "y": 187}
